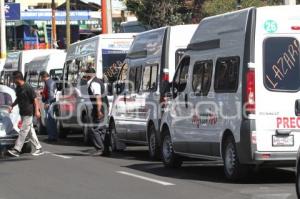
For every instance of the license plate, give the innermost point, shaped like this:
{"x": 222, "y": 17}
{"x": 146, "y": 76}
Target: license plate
{"x": 283, "y": 140}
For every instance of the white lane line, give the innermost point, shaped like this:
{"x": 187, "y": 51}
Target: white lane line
{"x": 56, "y": 155}
{"x": 146, "y": 178}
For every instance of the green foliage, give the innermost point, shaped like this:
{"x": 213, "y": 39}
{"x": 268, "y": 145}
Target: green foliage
{"x": 214, "y": 7}
{"x": 158, "y": 13}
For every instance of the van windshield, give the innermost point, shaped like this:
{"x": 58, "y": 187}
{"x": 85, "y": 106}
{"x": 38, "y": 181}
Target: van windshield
{"x": 281, "y": 64}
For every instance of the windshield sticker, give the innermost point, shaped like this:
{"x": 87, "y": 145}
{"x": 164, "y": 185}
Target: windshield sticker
{"x": 270, "y": 26}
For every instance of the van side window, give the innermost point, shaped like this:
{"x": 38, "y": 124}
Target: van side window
{"x": 178, "y": 55}
{"x": 138, "y": 78}
{"x": 150, "y": 78}
{"x": 181, "y": 76}
{"x": 135, "y": 74}
{"x": 227, "y": 74}
{"x": 202, "y": 73}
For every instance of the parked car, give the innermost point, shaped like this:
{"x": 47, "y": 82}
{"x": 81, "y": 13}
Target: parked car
{"x": 235, "y": 93}
{"x": 53, "y": 63}
{"x": 10, "y": 123}
{"x": 136, "y": 110}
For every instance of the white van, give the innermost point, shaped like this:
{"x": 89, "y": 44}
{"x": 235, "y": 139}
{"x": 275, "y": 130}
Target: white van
{"x": 105, "y": 53}
{"x": 53, "y": 63}
{"x": 16, "y": 61}
{"x": 236, "y": 92}
{"x": 136, "y": 110}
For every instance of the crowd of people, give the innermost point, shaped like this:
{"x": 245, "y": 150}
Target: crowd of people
{"x": 28, "y": 104}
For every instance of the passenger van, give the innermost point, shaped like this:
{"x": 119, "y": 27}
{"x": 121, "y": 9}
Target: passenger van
{"x": 53, "y": 63}
{"x": 16, "y": 61}
{"x": 235, "y": 93}
{"x": 136, "y": 110}
{"x": 105, "y": 53}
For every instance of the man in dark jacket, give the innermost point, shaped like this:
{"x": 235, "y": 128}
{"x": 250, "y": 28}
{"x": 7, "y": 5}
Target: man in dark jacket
{"x": 48, "y": 98}
{"x": 99, "y": 115}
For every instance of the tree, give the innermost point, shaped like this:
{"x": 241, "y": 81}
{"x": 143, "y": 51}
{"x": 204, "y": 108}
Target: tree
{"x": 214, "y": 7}
{"x": 158, "y": 13}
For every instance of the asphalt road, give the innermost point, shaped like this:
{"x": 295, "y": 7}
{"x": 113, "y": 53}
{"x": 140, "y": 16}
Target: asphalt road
{"x": 68, "y": 171}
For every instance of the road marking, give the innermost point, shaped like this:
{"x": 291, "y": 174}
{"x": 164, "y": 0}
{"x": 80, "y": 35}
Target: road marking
{"x": 146, "y": 178}
{"x": 56, "y": 155}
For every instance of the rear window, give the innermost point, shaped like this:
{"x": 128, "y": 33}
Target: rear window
{"x": 281, "y": 64}
{"x": 5, "y": 99}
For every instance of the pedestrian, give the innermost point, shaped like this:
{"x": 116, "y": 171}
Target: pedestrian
{"x": 28, "y": 106}
{"x": 99, "y": 115}
{"x": 48, "y": 98}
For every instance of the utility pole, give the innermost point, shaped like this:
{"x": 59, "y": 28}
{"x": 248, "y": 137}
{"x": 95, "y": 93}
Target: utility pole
{"x": 290, "y": 2}
{"x": 3, "y": 30}
{"x": 109, "y": 16}
{"x": 104, "y": 16}
{"x": 68, "y": 31}
{"x": 53, "y": 41}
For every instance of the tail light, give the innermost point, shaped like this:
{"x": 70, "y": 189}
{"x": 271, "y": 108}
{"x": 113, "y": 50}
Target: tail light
{"x": 20, "y": 124}
{"x": 165, "y": 76}
{"x": 250, "y": 92}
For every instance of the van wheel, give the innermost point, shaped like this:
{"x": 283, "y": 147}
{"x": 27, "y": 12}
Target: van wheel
{"x": 232, "y": 167}
{"x": 85, "y": 130}
{"x": 169, "y": 158}
{"x": 40, "y": 128}
{"x": 153, "y": 143}
{"x": 113, "y": 137}
{"x": 61, "y": 132}
{"x": 27, "y": 148}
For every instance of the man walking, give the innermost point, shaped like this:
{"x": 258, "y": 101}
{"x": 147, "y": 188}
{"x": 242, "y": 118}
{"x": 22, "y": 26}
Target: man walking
{"x": 28, "y": 105}
{"x": 48, "y": 100}
{"x": 96, "y": 91}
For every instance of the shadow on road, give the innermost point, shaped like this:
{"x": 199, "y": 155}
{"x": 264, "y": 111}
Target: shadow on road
{"x": 210, "y": 171}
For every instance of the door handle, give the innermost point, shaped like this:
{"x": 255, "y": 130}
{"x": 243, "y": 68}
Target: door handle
{"x": 297, "y": 107}
{"x": 186, "y": 100}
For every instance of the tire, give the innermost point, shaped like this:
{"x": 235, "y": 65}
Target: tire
{"x": 115, "y": 144}
{"x": 27, "y": 148}
{"x": 106, "y": 143}
{"x": 112, "y": 137}
{"x": 233, "y": 169}
{"x": 86, "y": 131}
{"x": 153, "y": 146}
{"x": 169, "y": 158}
{"x": 61, "y": 132}
{"x": 298, "y": 180}
{"x": 40, "y": 128}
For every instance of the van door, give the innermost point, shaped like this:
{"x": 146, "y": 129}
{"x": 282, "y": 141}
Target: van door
{"x": 181, "y": 109}
{"x": 120, "y": 103}
{"x": 134, "y": 103}
{"x": 148, "y": 97}
{"x": 70, "y": 94}
{"x": 203, "y": 118}
{"x": 277, "y": 85}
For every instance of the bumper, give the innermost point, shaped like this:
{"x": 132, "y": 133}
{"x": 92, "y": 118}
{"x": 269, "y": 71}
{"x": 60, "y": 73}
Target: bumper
{"x": 275, "y": 156}
{"x": 7, "y": 141}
